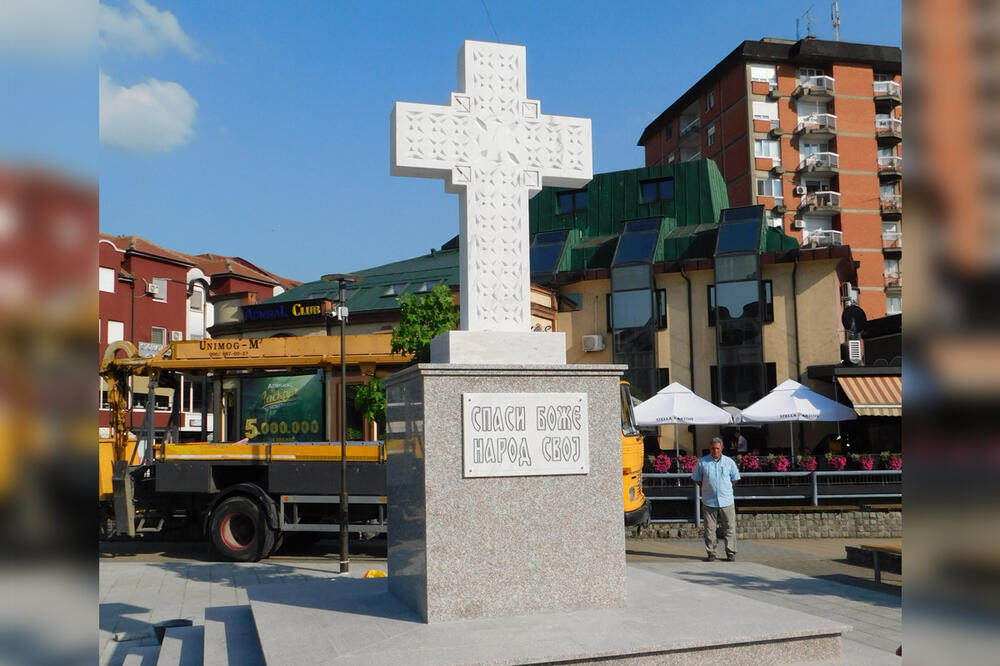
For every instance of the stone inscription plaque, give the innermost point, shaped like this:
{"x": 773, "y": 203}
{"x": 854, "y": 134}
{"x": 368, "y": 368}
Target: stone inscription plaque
{"x": 524, "y": 434}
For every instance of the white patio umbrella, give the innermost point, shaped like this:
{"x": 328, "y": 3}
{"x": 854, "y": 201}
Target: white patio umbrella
{"x": 791, "y": 401}
{"x": 678, "y": 404}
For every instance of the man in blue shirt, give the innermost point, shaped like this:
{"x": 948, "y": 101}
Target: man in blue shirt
{"x": 715, "y": 474}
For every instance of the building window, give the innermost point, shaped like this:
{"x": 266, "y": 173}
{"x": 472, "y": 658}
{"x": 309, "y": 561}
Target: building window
{"x": 710, "y": 100}
{"x": 106, "y": 279}
{"x": 768, "y": 148}
{"x": 670, "y": 160}
{"x": 808, "y": 72}
{"x": 161, "y": 289}
{"x": 893, "y": 305}
{"x": 765, "y": 111}
{"x": 711, "y": 135}
{"x": 668, "y": 131}
{"x": 161, "y": 403}
{"x": 393, "y": 289}
{"x": 765, "y": 73}
{"x": 768, "y": 297}
{"x": 769, "y": 187}
{"x": 116, "y": 331}
{"x": 770, "y": 377}
{"x": 574, "y": 201}
{"x": 196, "y": 301}
{"x": 157, "y": 335}
{"x": 660, "y": 189}
{"x": 891, "y": 267}
{"x": 663, "y": 377}
{"x": 427, "y": 285}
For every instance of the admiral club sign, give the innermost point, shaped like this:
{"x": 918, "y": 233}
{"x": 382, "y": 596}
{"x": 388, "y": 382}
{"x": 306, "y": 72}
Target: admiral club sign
{"x": 282, "y": 311}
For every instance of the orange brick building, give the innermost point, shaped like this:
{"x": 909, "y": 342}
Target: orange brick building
{"x": 812, "y": 130}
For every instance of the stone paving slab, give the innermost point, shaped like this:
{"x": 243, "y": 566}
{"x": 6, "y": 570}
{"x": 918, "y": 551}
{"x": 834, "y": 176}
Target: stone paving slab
{"x": 358, "y": 622}
{"x": 875, "y": 617}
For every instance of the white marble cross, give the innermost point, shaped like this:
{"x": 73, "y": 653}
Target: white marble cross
{"x": 495, "y": 149}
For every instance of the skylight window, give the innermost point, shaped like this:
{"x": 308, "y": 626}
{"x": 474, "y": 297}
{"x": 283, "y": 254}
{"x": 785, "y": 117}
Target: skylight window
{"x": 395, "y": 289}
{"x": 638, "y": 240}
{"x": 427, "y": 285}
{"x": 546, "y": 250}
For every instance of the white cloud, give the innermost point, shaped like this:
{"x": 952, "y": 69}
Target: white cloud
{"x": 153, "y": 116}
{"x": 48, "y": 29}
{"x": 144, "y": 29}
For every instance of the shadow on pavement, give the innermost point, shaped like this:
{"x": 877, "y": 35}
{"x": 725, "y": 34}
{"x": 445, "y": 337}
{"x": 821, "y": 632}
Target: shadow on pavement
{"x": 811, "y": 586}
{"x": 665, "y": 556}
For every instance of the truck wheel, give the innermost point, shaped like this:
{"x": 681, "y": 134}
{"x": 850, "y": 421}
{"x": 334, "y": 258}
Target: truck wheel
{"x": 239, "y": 531}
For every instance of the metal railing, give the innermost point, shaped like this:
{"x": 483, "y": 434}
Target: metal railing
{"x": 821, "y": 199}
{"x": 820, "y": 161}
{"x": 893, "y": 279}
{"x": 824, "y": 237}
{"x": 691, "y": 126}
{"x": 888, "y": 126}
{"x": 817, "y": 121}
{"x": 892, "y": 239}
{"x": 890, "y": 202}
{"x": 758, "y": 486}
{"x": 817, "y": 84}
{"x": 889, "y": 88}
{"x": 890, "y": 163}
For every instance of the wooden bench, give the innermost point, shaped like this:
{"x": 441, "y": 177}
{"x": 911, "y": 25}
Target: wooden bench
{"x": 889, "y": 556}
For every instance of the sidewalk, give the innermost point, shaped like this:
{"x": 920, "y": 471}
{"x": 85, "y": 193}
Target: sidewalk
{"x": 799, "y": 574}
{"x": 807, "y": 575}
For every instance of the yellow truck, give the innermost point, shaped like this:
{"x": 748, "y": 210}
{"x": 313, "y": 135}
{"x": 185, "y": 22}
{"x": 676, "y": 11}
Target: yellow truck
{"x": 272, "y": 467}
{"x": 636, "y": 506}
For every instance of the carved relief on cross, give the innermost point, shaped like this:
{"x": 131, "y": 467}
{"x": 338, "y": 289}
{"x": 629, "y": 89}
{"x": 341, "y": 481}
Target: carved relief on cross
{"x": 495, "y": 149}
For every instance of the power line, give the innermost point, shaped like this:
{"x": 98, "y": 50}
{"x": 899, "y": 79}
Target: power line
{"x": 490, "y": 19}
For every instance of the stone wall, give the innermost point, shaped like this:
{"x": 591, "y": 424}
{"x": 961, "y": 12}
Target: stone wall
{"x": 791, "y": 525}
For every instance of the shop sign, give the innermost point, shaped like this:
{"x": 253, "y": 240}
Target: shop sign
{"x": 287, "y": 310}
{"x": 524, "y": 434}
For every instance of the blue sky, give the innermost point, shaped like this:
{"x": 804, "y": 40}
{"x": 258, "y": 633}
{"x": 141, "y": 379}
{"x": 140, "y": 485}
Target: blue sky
{"x": 272, "y": 118}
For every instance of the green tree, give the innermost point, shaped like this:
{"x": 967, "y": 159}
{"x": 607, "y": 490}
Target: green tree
{"x": 421, "y": 318}
{"x": 369, "y": 399}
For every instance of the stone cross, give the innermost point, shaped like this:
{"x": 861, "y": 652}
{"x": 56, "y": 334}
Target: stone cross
{"x": 495, "y": 149}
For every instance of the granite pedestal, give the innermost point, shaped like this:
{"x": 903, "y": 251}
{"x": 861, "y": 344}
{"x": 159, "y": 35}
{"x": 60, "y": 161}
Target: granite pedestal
{"x": 462, "y": 548}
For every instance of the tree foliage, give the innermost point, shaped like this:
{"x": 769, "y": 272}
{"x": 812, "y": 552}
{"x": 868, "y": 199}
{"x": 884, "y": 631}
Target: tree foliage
{"x": 421, "y": 318}
{"x": 369, "y": 399}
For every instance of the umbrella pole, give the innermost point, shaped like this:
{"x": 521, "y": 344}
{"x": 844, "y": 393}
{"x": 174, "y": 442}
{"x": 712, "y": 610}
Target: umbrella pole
{"x": 791, "y": 441}
{"x": 677, "y": 451}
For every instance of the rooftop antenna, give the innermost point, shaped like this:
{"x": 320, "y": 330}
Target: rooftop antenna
{"x": 835, "y": 20}
{"x": 809, "y": 24}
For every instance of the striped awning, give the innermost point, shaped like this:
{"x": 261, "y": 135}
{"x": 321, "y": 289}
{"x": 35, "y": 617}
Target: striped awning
{"x": 875, "y": 395}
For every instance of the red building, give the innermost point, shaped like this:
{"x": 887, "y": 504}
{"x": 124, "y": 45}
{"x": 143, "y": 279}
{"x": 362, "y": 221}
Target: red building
{"x": 150, "y": 296}
{"x": 812, "y": 130}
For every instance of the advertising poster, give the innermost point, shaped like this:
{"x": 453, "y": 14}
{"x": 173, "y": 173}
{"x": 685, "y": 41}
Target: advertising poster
{"x": 283, "y": 409}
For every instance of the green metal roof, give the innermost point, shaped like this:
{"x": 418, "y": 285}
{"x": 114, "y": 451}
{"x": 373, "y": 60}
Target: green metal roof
{"x": 370, "y": 293}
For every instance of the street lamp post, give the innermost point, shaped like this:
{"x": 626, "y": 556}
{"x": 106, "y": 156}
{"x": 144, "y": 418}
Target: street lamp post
{"x": 342, "y": 280}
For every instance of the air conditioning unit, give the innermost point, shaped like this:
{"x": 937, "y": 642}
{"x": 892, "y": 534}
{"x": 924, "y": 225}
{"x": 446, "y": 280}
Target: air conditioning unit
{"x": 854, "y": 351}
{"x": 176, "y": 335}
{"x": 593, "y": 343}
{"x": 800, "y": 189}
{"x": 152, "y": 288}
{"x": 798, "y": 224}
{"x": 846, "y": 291}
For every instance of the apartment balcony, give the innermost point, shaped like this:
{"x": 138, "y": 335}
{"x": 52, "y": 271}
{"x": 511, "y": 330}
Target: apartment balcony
{"x": 822, "y": 238}
{"x": 815, "y": 88}
{"x": 891, "y": 207}
{"x": 820, "y": 164}
{"x": 691, "y": 158}
{"x": 890, "y": 167}
{"x": 893, "y": 281}
{"x": 889, "y": 130}
{"x": 689, "y": 127}
{"x": 892, "y": 242}
{"x": 820, "y": 202}
{"x": 888, "y": 92}
{"x": 817, "y": 125}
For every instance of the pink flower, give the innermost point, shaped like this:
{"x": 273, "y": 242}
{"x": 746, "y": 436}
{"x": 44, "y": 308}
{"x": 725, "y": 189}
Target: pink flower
{"x": 866, "y": 460}
{"x": 807, "y": 463}
{"x": 662, "y": 463}
{"x": 689, "y": 463}
{"x": 896, "y": 463}
{"x": 836, "y": 462}
{"x": 748, "y": 462}
{"x": 781, "y": 464}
